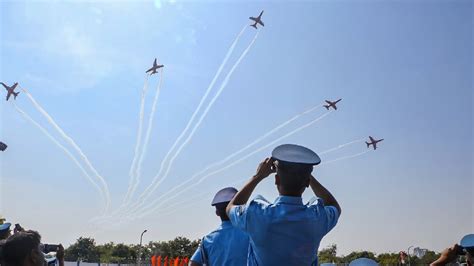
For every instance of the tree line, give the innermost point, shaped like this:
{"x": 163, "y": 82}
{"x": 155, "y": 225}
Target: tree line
{"x": 329, "y": 255}
{"x": 85, "y": 249}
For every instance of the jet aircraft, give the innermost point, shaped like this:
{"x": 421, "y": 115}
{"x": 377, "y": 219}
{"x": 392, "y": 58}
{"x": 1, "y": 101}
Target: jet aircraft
{"x": 154, "y": 68}
{"x": 11, "y": 90}
{"x": 257, "y": 20}
{"x": 373, "y": 142}
{"x": 331, "y": 104}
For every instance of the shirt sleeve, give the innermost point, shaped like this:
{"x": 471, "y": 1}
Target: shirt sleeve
{"x": 330, "y": 212}
{"x": 332, "y": 215}
{"x": 238, "y": 216}
{"x": 197, "y": 256}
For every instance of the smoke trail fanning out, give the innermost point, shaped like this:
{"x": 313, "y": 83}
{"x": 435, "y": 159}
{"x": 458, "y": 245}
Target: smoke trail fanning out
{"x": 138, "y": 142}
{"x": 235, "y": 154}
{"x": 65, "y": 150}
{"x": 147, "y": 135}
{"x": 340, "y": 146}
{"x": 105, "y": 188}
{"x": 346, "y": 157}
{"x": 152, "y": 186}
{"x": 149, "y": 208}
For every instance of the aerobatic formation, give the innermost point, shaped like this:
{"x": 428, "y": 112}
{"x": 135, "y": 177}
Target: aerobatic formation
{"x": 141, "y": 205}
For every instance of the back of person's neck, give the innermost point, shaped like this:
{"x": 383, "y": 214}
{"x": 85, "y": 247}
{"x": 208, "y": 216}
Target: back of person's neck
{"x": 289, "y": 194}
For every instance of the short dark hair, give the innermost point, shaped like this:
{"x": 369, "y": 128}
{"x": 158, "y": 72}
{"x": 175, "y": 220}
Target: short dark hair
{"x": 18, "y": 246}
{"x": 221, "y": 210}
{"x": 293, "y": 176}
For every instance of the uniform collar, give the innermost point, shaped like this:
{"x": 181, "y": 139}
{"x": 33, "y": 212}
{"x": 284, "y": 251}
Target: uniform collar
{"x": 226, "y": 224}
{"x": 289, "y": 200}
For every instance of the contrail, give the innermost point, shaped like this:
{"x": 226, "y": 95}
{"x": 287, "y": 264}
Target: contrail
{"x": 171, "y": 208}
{"x": 62, "y": 147}
{"x": 340, "y": 146}
{"x": 138, "y": 142}
{"x": 345, "y": 157}
{"x": 152, "y": 186}
{"x": 72, "y": 143}
{"x": 231, "y": 156}
{"x": 223, "y": 85}
{"x": 147, "y": 136}
{"x": 154, "y": 205}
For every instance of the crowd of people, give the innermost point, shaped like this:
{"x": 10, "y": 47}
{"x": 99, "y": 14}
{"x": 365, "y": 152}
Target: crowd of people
{"x": 259, "y": 232}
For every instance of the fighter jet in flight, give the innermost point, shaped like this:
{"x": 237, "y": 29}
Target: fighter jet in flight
{"x": 373, "y": 142}
{"x": 257, "y": 20}
{"x": 3, "y": 146}
{"x": 331, "y": 104}
{"x": 154, "y": 68}
{"x": 11, "y": 90}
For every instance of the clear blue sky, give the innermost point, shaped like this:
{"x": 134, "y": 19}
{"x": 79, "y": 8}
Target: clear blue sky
{"x": 403, "y": 68}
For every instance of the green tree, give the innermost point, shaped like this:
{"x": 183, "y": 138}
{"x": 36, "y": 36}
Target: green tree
{"x": 84, "y": 249}
{"x": 358, "y": 254}
{"x": 328, "y": 254}
{"x": 388, "y": 258}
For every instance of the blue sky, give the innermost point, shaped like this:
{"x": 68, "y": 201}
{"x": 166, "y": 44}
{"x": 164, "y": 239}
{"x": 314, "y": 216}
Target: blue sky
{"x": 403, "y": 69}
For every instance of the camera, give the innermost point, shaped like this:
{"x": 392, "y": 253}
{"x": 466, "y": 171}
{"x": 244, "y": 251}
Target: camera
{"x": 46, "y": 248}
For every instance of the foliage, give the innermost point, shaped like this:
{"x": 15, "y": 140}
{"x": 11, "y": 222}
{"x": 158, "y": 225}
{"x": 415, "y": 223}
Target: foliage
{"x": 329, "y": 255}
{"x": 85, "y": 249}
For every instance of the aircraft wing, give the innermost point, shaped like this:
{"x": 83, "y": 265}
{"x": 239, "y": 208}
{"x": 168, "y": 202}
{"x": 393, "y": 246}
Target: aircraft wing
{"x": 252, "y": 18}
{"x": 149, "y": 70}
{"x": 371, "y": 139}
{"x": 8, "y": 96}
{"x": 5, "y": 86}
{"x": 261, "y": 23}
{"x": 328, "y": 102}
{"x": 335, "y": 107}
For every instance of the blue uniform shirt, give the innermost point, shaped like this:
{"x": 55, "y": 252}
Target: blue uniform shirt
{"x": 286, "y": 232}
{"x": 225, "y": 246}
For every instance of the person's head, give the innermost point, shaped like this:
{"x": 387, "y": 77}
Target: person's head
{"x": 292, "y": 179}
{"x": 23, "y": 249}
{"x": 293, "y": 166}
{"x": 220, "y": 210}
{"x": 221, "y": 200}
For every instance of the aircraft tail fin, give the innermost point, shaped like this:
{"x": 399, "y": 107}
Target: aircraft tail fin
{"x": 254, "y": 25}
{"x": 15, "y": 94}
{"x": 368, "y": 144}
{"x": 326, "y": 106}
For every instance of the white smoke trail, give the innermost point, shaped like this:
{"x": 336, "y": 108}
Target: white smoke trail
{"x": 147, "y": 136}
{"x": 154, "y": 205}
{"x": 170, "y": 209}
{"x": 236, "y": 153}
{"x": 223, "y": 85}
{"x": 138, "y": 141}
{"x": 73, "y": 144}
{"x": 345, "y": 157}
{"x": 340, "y": 146}
{"x": 62, "y": 147}
{"x": 152, "y": 186}
{"x": 233, "y": 155}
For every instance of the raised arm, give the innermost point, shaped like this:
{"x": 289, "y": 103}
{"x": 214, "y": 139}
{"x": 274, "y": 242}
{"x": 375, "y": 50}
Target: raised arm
{"x": 324, "y": 194}
{"x": 264, "y": 169}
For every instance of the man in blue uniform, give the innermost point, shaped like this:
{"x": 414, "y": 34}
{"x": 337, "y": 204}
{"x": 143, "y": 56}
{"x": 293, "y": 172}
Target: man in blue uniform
{"x": 286, "y": 232}
{"x": 227, "y": 245}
